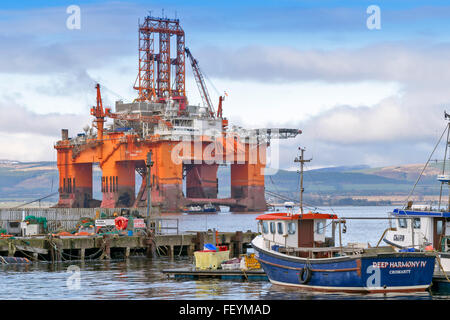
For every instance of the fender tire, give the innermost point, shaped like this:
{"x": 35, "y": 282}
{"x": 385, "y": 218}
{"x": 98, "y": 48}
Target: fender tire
{"x": 305, "y": 275}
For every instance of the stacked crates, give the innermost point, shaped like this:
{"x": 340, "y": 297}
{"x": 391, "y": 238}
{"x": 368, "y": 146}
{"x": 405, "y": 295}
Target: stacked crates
{"x": 251, "y": 262}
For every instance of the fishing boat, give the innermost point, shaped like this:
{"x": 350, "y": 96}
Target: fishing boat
{"x": 424, "y": 227}
{"x": 294, "y": 251}
{"x": 207, "y": 208}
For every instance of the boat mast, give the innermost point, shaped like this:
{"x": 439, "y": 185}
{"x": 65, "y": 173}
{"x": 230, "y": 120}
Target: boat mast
{"x": 447, "y": 116}
{"x": 302, "y": 160}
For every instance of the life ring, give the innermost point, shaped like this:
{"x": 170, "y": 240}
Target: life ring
{"x": 305, "y": 275}
{"x": 121, "y": 223}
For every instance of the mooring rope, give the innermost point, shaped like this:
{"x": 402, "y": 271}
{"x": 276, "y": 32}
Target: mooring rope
{"x": 440, "y": 265}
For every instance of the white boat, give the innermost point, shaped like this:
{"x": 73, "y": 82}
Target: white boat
{"x": 425, "y": 227}
{"x": 207, "y": 208}
{"x": 415, "y": 229}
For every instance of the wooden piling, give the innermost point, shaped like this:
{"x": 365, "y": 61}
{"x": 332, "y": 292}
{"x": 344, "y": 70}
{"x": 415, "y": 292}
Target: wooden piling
{"x": 11, "y": 249}
{"x": 106, "y": 248}
{"x": 237, "y": 241}
{"x": 190, "y": 250}
{"x": 151, "y": 249}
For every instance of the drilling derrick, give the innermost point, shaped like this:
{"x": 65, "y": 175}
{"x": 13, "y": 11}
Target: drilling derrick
{"x": 186, "y": 141}
{"x": 152, "y": 86}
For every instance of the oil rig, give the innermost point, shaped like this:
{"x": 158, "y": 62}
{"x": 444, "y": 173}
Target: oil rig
{"x": 163, "y": 138}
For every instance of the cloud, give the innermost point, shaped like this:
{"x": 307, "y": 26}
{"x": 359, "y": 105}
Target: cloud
{"x": 16, "y": 119}
{"x": 403, "y": 62}
{"x": 392, "y": 120}
{"x": 398, "y": 127}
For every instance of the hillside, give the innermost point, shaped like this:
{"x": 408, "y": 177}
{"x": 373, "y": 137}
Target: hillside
{"x": 25, "y": 181}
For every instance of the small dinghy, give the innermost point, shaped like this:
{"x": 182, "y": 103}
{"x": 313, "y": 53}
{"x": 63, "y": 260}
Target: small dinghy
{"x": 14, "y": 260}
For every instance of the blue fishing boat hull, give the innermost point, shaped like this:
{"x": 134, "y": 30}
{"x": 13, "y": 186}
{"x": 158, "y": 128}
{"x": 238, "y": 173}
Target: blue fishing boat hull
{"x": 384, "y": 272}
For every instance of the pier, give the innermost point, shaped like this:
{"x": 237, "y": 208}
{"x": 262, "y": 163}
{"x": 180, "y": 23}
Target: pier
{"x": 163, "y": 238}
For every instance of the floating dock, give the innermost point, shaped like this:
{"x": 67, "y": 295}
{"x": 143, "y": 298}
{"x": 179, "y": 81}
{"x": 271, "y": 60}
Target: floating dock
{"x": 238, "y": 274}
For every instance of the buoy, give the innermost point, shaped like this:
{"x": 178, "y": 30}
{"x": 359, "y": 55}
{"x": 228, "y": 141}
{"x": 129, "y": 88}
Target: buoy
{"x": 121, "y": 223}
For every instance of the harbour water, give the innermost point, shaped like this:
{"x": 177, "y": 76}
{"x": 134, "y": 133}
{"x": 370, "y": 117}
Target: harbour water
{"x": 141, "y": 278}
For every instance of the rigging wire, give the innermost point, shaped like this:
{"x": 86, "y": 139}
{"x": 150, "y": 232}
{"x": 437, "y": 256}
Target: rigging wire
{"x": 212, "y": 84}
{"x": 443, "y": 166}
{"x": 47, "y": 196}
{"x": 425, "y": 166}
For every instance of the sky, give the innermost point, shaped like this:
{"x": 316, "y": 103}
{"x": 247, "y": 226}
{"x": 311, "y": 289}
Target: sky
{"x": 360, "y": 95}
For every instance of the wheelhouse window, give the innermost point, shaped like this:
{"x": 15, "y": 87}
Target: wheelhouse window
{"x": 402, "y": 223}
{"x": 320, "y": 227}
{"x": 280, "y": 227}
{"x": 291, "y": 227}
{"x": 272, "y": 227}
{"x": 416, "y": 223}
{"x": 439, "y": 226}
{"x": 265, "y": 227}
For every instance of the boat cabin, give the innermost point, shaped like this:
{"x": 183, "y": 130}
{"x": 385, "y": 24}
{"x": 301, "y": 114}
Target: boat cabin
{"x": 295, "y": 230}
{"x": 419, "y": 227}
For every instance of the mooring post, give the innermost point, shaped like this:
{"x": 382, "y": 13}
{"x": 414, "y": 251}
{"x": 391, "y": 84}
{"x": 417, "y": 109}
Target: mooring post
{"x": 82, "y": 254}
{"x": 127, "y": 252}
{"x": 200, "y": 240}
{"x": 190, "y": 250}
{"x": 151, "y": 249}
{"x": 237, "y": 239}
{"x": 52, "y": 254}
{"x": 149, "y": 165}
{"x": 107, "y": 248}
{"x": 59, "y": 253}
{"x": 11, "y": 248}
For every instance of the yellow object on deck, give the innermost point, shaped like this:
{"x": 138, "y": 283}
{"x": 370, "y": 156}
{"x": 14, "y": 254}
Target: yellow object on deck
{"x": 251, "y": 262}
{"x": 210, "y": 260}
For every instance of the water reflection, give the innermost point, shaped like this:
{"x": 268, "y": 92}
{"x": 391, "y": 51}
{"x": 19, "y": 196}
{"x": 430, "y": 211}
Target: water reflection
{"x": 141, "y": 278}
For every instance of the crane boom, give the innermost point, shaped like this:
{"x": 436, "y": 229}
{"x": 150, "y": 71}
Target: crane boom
{"x": 201, "y": 84}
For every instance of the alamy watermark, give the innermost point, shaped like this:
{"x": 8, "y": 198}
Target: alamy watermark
{"x": 74, "y": 20}
{"x": 73, "y": 282}
{"x": 373, "y": 22}
{"x": 243, "y": 148}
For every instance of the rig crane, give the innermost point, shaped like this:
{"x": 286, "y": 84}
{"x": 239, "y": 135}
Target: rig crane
{"x": 99, "y": 113}
{"x": 202, "y": 87}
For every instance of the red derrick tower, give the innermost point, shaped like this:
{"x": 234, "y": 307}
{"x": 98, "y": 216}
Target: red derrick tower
{"x": 154, "y": 76}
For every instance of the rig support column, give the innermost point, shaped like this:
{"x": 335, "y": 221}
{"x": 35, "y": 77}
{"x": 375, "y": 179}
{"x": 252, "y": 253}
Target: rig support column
{"x": 118, "y": 184}
{"x": 201, "y": 180}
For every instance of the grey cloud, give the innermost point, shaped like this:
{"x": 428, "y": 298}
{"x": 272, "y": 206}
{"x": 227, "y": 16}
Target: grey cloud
{"x": 17, "y": 119}
{"x": 398, "y": 130}
{"x": 385, "y": 62}
{"x": 63, "y": 83}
